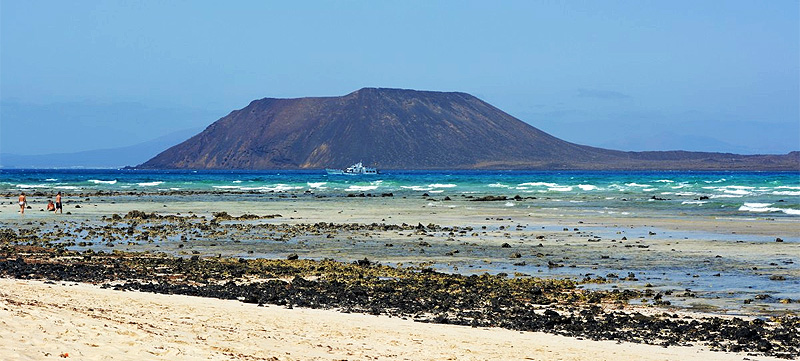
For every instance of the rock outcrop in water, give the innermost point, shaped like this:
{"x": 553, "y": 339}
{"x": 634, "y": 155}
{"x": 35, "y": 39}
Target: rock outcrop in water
{"x": 408, "y": 129}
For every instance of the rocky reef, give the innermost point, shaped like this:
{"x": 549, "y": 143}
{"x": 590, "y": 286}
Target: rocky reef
{"x": 418, "y": 293}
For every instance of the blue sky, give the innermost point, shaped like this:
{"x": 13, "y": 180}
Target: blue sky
{"x": 633, "y": 75}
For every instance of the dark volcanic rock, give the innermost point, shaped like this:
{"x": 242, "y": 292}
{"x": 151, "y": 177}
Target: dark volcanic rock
{"x": 395, "y": 128}
{"x": 422, "y": 294}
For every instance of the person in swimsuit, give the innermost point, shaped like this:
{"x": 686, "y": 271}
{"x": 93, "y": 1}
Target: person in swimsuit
{"x": 58, "y": 208}
{"x": 50, "y": 205}
{"x": 23, "y": 201}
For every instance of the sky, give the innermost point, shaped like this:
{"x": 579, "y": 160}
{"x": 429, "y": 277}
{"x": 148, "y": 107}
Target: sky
{"x": 631, "y": 75}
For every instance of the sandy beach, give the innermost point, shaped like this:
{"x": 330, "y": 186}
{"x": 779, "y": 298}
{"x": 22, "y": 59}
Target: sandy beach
{"x": 85, "y": 322}
{"x": 46, "y": 320}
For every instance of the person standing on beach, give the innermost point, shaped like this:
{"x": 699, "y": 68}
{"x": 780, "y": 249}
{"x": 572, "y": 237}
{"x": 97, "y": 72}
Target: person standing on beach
{"x": 23, "y": 201}
{"x": 58, "y": 208}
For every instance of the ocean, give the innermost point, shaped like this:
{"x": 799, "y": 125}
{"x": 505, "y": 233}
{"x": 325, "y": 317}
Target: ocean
{"x": 729, "y": 194}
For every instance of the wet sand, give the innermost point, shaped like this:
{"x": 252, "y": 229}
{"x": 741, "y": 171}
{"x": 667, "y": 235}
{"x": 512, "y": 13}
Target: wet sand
{"x": 400, "y": 210}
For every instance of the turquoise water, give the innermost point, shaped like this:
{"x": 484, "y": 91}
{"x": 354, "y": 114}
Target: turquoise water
{"x": 773, "y": 194}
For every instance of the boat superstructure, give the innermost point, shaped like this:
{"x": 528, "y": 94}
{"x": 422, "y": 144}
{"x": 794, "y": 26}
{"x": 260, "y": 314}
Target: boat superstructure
{"x": 354, "y": 169}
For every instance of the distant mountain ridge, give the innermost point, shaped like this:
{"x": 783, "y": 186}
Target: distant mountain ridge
{"x": 100, "y": 158}
{"x": 409, "y": 129}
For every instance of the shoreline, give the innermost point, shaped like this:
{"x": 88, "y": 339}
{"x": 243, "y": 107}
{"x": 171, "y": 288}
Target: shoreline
{"x": 394, "y": 209}
{"x": 423, "y": 295}
{"x": 90, "y": 323}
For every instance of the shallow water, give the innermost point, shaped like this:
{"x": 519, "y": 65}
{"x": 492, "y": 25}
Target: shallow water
{"x": 774, "y": 194}
{"x": 672, "y": 244}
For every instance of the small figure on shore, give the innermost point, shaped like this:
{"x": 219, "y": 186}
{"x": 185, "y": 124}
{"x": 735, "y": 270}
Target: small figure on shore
{"x": 50, "y": 205}
{"x": 58, "y": 207}
{"x": 23, "y": 201}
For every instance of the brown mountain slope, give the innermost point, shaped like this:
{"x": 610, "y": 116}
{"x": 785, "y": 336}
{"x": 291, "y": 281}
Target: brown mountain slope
{"x": 394, "y": 129}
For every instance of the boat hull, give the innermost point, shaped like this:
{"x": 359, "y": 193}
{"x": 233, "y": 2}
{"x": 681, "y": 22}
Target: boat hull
{"x": 355, "y": 169}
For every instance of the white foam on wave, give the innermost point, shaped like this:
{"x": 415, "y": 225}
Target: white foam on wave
{"x": 649, "y": 189}
{"x": 50, "y": 180}
{"x": 237, "y": 181}
{"x": 665, "y": 181}
{"x": 275, "y": 188}
{"x": 738, "y": 192}
{"x": 725, "y": 196}
{"x": 316, "y": 184}
{"x": 539, "y": 184}
{"x": 416, "y": 188}
{"x": 587, "y": 187}
{"x": 66, "y": 187}
{"x": 694, "y": 202}
{"x": 33, "y": 186}
{"x": 787, "y": 187}
{"x": 360, "y": 188}
{"x": 439, "y": 191}
{"x": 509, "y": 204}
{"x": 280, "y": 188}
{"x": 437, "y": 185}
{"x": 757, "y": 205}
{"x": 716, "y": 181}
{"x": 497, "y": 185}
{"x": 686, "y": 194}
{"x": 786, "y": 193}
{"x": 560, "y": 189}
{"x": 679, "y": 186}
{"x": 765, "y": 207}
{"x": 149, "y": 184}
{"x": 638, "y": 185}
{"x": 98, "y": 181}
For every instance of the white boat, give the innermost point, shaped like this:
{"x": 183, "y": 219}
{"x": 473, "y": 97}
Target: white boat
{"x": 357, "y": 168}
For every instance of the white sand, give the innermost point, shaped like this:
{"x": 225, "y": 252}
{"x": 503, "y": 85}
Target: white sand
{"x": 44, "y": 321}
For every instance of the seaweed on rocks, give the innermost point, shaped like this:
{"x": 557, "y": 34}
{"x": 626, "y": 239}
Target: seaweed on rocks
{"x": 489, "y": 198}
{"x": 365, "y": 286}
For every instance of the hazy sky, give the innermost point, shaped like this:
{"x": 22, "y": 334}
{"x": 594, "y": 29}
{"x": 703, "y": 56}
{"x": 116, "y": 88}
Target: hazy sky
{"x": 636, "y": 75}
